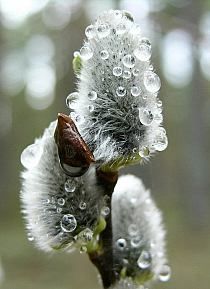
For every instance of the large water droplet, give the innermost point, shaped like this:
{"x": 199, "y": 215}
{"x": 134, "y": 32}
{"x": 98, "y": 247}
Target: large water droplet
{"x": 146, "y": 117}
{"x": 126, "y": 74}
{"x": 71, "y": 100}
{"x": 68, "y": 223}
{"x": 135, "y": 90}
{"x": 31, "y": 155}
{"x": 161, "y": 142}
{"x": 61, "y": 201}
{"x": 90, "y": 31}
{"x": 143, "y": 52}
{"x": 120, "y": 29}
{"x": 144, "y": 260}
{"x": 104, "y": 54}
{"x": 165, "y": 273}
{"x": 121, "y": 91}
{"x": 129, "y": 61}
{"x": 103, "y": 30}
{"x": 82, "y": 205}
{"x": 92, "y": 95}
{"x": 70, "y": 186}
{"x": 151, "y": 81}
{"x": 86, "y": 52}
{"x": 117, "y": 71}
{"x": 121, "y": 244}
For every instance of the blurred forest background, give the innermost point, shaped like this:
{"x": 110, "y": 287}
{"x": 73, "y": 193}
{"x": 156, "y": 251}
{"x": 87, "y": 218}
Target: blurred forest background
{"x": 37, "y": 41}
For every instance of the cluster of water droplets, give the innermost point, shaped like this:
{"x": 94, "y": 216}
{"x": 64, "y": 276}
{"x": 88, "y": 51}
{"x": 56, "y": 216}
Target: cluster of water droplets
{"x": 132, "y": 248}
{"x": 116, "y": 73}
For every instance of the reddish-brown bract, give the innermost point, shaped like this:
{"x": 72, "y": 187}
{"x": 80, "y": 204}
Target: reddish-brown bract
{"x": 74, "y": 154}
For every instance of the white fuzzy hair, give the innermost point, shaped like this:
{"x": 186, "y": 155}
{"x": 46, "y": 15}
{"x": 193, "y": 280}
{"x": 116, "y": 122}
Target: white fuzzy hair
{"x": 113, "y": 128}
{"x": 42, "y": 187}
{"x": 132, "y": 205}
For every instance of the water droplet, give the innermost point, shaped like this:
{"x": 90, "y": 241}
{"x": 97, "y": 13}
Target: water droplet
{"x": 61, "y": 201}
{"x": 136, "y": 242}
{"x": 120, "y": 29}
{"x": 135, "y": 71}
{"x": 76, "y": 53}
{"x": 86, "y": 52}
{"x": 159, "y": 103}
{"x": 85, "y": 236}
{"x": 70, "y": 186}
{"x": 121, "y": 244}
{"x": 144, "y": 152}
{"x": 133, "y": 230}
{"x": 151, "y": 81}
{"x": 30, "y": 237}
{"x": 165, "y": 273}
{"x": 68, "y": 223}
{"x": 92, "y": 95}
{"x": 146, "y": 117}
{"x": 31, "y": 155}
{"x": 59, "y": 210}
{"x": 104, "y": 54}
{"x": 82, "y": 205}
{"x": 105, "y": 211}
{"x": 129, "y": 61}
{"x": 70, "y": 100}
{"x": 126, "y": 74}
{"x": 144, "y": 261}
{"x": 91, "y": 108}
{"x": 143, "y": 52}
{"x": 151, "y": 67}
{"x": 90, "y": 31}
{"x": 117, "y": 71}
{"x": 103, "y": 30}
{"x": 134, "y": 150}
{"x": 161, "y": 142}
{"x": 135, "y": 91}
{"x": 121, "y": 91}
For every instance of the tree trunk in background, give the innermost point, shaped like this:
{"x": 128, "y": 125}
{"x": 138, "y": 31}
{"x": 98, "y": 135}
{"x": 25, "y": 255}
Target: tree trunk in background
{"x": 196, "y": 166}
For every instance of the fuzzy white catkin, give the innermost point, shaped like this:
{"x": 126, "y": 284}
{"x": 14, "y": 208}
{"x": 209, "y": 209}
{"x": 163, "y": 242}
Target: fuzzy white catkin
{"x": 137, "y": 229}
{"x": 55, "y": 206}
{"x": 116, "y": 108}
